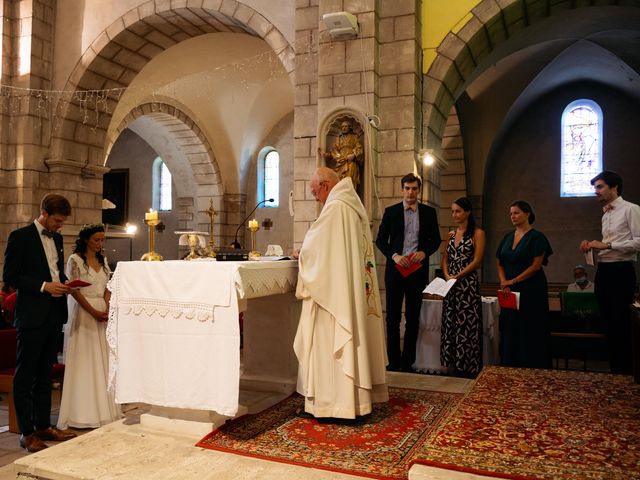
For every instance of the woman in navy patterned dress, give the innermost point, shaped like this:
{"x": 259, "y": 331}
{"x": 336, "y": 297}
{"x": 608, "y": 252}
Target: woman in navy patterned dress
{"x": 461, "y": 341}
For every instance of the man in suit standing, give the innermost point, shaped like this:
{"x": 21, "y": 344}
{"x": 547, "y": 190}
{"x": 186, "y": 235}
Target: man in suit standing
{"x": 408, "y": 235}
{"x": 34, "y": 266}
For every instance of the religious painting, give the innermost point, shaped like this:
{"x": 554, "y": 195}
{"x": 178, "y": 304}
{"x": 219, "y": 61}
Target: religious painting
{"x": 115, "y": 188}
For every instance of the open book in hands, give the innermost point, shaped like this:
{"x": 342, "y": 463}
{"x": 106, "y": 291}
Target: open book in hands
{"x": 77, "y": 284}
{"x": 509, "y": 300}
{"x": 439, "y": 286}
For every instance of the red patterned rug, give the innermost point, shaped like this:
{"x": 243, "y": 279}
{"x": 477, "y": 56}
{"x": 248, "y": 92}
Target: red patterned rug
{"x": 381, "y": 445}
{"x": 541, "y": 424}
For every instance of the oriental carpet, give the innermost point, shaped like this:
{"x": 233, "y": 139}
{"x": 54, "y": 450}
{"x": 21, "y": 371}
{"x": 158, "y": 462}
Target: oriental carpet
{"x": 380, "y": 445}
{"x": 541, "y": 424}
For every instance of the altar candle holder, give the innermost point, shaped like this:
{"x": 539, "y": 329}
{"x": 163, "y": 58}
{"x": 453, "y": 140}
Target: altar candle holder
{"x": 210, "y": 251}
{"x": 253, "y": 228}
{"x": 151, "y": 255}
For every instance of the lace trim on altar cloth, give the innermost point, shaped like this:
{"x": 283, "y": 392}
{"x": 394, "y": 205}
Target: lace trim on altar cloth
{"x": 252, "y": 283}
{"x": 112, "y": 342}
{"x": 191, "y": 311}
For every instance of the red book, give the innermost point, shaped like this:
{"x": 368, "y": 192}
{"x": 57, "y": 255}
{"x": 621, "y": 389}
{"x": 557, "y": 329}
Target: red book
{"x": 509, "y": 300}
{"x": 78, "y": 284}
{"x": 406, "y": 271}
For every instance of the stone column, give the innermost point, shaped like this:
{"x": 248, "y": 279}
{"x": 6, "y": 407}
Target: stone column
{"x": 400, "y": 94}
{"x": 28, "y": 173}
{"x": 305, "y": 122}
{"x": 331, "y": 75}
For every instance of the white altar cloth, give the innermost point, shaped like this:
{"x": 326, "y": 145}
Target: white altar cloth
{"x": 428, "y": 346}
{"x": 173, "y": 329}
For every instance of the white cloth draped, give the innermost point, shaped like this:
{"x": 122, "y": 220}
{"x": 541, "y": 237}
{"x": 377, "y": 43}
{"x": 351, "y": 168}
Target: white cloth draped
{"x": 173, "y": 329}
{"x": 428, "y": 346}
{"x": 340, "y": 341}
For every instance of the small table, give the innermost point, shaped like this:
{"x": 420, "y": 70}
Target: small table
{"x": 428, "y": 346}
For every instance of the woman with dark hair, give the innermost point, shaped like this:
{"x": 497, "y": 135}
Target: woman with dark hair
{"x": 524, "y": 333}
{"x": 85, "y": 401}
{"x": 461, "y": 334}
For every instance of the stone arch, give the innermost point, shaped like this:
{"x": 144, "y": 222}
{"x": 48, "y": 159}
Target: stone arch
{"x": 120, "y": 52}
{"x": 362, "y": 122}
{"x": 204, "y": 182}
{"x": 491, "y": 24}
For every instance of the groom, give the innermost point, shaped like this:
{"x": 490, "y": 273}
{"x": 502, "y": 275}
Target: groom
{"x": 34, "y": 266}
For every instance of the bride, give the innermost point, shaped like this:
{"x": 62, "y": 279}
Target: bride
{"x": 85, "y": 401}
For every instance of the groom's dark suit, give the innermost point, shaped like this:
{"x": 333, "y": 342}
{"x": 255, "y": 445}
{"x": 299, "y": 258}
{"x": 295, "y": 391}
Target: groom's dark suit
{"x": 390, "y": 240}
{"x": 38, "y": 318}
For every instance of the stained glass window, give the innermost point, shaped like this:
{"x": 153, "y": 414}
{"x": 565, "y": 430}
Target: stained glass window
{"x": 581, "y": 152}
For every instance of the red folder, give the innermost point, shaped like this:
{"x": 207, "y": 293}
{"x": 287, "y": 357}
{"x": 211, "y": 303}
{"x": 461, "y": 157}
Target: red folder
{"x": 508, "y": 300}
{"x": 78, "y": 284}
{"x": 406, "y": 271}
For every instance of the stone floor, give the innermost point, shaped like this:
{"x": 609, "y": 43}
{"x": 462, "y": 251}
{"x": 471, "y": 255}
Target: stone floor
{"x": 127, "y": 450}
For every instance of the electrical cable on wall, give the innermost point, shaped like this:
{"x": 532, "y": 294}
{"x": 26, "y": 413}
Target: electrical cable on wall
{"x": 373, "y": 121}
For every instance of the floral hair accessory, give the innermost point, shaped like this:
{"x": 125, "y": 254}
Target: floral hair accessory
{"x": 89, "y": 229}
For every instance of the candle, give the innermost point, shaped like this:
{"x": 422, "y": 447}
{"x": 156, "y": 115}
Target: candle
{"x": 151, "y": 215}
{"x": 253, "y": 224}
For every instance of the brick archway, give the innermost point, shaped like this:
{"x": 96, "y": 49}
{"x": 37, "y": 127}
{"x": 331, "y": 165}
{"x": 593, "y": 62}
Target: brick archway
{"x": 203, "y": 167}
{"x": 120, "y": 52}
{"x": 491, "y": 25}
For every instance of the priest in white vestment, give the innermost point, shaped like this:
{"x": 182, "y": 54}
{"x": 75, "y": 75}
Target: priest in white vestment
{"x": 340, "y": 341}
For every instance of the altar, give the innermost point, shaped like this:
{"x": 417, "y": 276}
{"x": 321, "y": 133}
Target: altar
{"x": 174, "y": 335}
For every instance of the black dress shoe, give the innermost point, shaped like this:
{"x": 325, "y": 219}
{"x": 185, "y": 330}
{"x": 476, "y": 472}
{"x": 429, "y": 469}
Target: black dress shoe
{"x": 31, "y": 443}
{"x": 394, "y": 367}
{"x": 55, "y": 434}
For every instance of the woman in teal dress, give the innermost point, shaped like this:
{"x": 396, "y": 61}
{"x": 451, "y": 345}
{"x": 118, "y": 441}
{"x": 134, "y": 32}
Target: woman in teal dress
{"x": 524, "y": 333}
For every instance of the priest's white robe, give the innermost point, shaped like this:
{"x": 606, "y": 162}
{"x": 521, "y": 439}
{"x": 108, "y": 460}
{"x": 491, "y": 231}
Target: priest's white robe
{"x": 340, "y": 341}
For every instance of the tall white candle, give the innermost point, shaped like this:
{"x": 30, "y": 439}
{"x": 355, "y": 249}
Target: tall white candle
{"x": 151, "y": 215}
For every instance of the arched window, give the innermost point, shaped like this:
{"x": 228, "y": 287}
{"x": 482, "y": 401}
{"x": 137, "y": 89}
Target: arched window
{"x": 269, "y": 176}
{"x": 161, "y": 186}
{"x": 581, "y": 152}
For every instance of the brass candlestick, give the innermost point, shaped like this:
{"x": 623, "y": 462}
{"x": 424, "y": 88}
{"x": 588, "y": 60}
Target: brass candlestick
{"x": 253, "y": 228}
{"x": 210, "y": 250}
{"x": 151, "y": 255}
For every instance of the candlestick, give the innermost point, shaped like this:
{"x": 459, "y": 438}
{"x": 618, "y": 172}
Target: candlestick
{"x": 253, "y": 228}
{"x": 151, "y": 255}
{"x": 211, "y": 251}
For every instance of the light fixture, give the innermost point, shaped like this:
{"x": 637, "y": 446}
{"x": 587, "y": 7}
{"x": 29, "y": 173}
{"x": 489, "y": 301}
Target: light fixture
{"x": 130, "y": 228}
{"x": 427, "y": 157}
{"x": 341, "y": 25}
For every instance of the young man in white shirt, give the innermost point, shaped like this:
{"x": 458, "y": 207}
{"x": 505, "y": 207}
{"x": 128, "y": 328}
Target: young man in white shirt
{"x": 616, "y": 277}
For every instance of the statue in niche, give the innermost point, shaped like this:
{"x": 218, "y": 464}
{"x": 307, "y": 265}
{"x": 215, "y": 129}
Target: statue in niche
{"x": 345, "y": 157}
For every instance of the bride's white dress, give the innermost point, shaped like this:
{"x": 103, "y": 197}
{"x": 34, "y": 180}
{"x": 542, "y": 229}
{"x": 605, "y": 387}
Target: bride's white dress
{"x": 86, "y": 403}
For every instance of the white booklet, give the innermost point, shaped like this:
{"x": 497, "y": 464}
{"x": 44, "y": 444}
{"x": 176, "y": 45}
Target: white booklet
{"x": 588, "y": 257}
{"x": 439, "y": 286}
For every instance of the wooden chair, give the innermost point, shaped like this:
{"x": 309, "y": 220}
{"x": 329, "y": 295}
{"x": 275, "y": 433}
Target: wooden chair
{"x": 8, "y": 347}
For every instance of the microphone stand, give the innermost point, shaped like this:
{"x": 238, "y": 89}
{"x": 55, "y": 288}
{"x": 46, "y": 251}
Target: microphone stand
{"x": 235, "y": 243}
